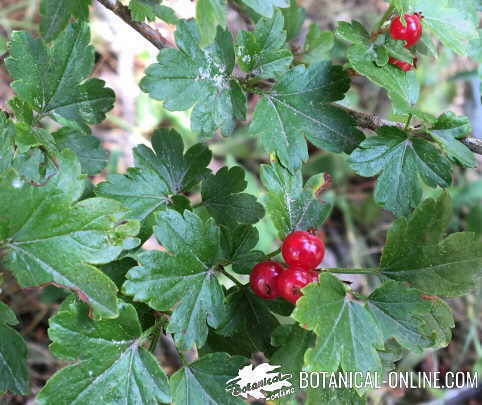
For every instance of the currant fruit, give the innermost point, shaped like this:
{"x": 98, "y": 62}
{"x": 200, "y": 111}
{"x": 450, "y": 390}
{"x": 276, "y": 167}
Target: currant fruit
{"x": 410, "y": 32}
{"x": 400, "y": 64}
{"x": 263, "y": 279}
{"x": 303, "y": 249}
{"x": 292, "y": 280}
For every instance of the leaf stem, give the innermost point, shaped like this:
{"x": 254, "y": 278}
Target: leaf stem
{"x": 273, "y": 253}
{"x": 155, "y": 335}
{"x": 380, "y": 23}
{"x": 369, "y": 270}
{"x": 232, "y": 278}
{"x": 148, "y": 32}
{"x": 407, "y": 124}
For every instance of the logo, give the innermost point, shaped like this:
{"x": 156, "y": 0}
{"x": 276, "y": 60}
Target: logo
{"x": 258, "y": 381}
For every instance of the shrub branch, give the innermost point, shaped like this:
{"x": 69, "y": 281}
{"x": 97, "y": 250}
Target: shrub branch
{"x": 363, "y": 120}
{"x": 373, "y": 122}
{"x": 151, "y": 34}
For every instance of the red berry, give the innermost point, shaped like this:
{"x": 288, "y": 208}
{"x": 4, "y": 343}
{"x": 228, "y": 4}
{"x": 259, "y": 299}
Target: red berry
{"x": 400, "y": 64}
{"x": 410, "y": 32}
{"x": 263, "y": 279}
{"x": 292, "y": 280}
{"x": 303, "y": 249}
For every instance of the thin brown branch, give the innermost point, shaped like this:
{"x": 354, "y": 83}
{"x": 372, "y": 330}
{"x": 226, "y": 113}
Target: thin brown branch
{"x": 363, "y": 120}
{"x": 151, "y": 34}
{"x": 373, "y": 122}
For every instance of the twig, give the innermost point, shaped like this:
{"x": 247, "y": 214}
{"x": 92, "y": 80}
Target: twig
{"x": 273, "y": 254}
{"x": 373, "y": 122}
{"x": 145, "y": 30}
{"x": 232, "y": 278}
{"x": 363, "y": 120}
{"x": 368, "y": 270}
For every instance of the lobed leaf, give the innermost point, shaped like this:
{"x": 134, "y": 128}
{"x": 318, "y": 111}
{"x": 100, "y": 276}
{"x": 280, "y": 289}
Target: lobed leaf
{"x": 51, "y": 238}
{"x": 347, "y": 334}
{"x": 55, "y": 15}
{"x": 13, "y": 355}
{"x": 92, "y": 157}
{"x": 183, "y": 278}
{"x": 401, "y": 162}
{"x": 223, "y": 197}
{"x": 204, "y": 381}
{"x": 238, "y": 245}
{"x": 298, "y": 107}
{"x": 248, "y": 318}
{"x": 402, "y": 88}
{"x": 193, "y": 77}
{"x": 52, "y": 81}
{"x": 291, "y": 205}
{"x": 160, "y": 172}
{"x": 210, "y": 14}
{"x": 263, "y": 52}
{"x": 111, "y": 366}
{"x": 415, "y": 252}
{"x": 404, "y": 314}
{"x": 142, "y": 10}
{"x": 451, "y": 25}
{"x": 447, "y": 131}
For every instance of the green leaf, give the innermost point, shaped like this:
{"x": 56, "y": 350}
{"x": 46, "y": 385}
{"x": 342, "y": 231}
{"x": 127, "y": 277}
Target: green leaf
{"x": 142, "y": 10}
{"x": 23, "y": 112}
{"x": 139, "y": 190}
{"x": 52, "y": 80}
{"x": 238, "y": 244}
{"x": 397, "y": 50}
{"x": 352, "y": 32}
{"x": 440, "y": 322}
{"x": 190, "y": 76}
{"x": 318, "y": 45}
{"x": 334, "y": 396}
{"x": 210, "y": 14}
{"x": 184, "y": 277}
{"x": 347, "y": 334}
{"x": 204, "y": 381}
{"x": 400, "y": 162}
{"x": 93, "y": 158}
{"x": 178, "y": 169}
{"x": 294, "y": 17}
{"x": 263, "y": 52}
{"x": 292, "y": 342}
{"x": 13, "y": 355}
{"x": 55, "y": 15}
{"x": 266, "y": 7}
{"x": 403, "y": 313}
{"x": 7, "y": 142}
{"x": 160, "y": 172}
{"x": 51, "y": 238}
{"x": 297, "y": 107}
{"x": 450, "y": 25}
{"x": 426, "y": 46}
{"x": 112, "y": 366}
{"x": 402, "y": 88}
{"x": 416, "y": 253}
{"x": 291, "y": 205}
{"x": 223, "y": 197}
{"x": 248, "y": 318}
{"x": 392, "y": 353}
{"x": 446, "y": 131}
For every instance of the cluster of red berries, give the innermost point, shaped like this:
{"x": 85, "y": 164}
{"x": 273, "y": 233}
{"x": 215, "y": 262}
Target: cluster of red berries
{"x": 410, "y": 33}
{"x": 302, "y": 252}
